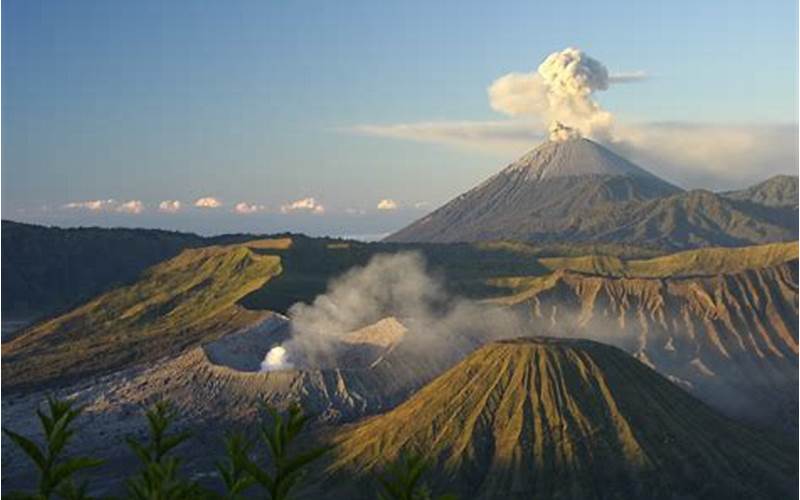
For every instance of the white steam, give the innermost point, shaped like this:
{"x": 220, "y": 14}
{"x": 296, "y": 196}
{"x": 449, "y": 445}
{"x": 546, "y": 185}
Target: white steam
{"x": 275, "y": 359}
{"x": 393, "y": 285}
{"x": 560, "y": 91}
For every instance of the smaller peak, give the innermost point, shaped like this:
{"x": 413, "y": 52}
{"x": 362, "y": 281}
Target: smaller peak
{"x": 562, "y": 133}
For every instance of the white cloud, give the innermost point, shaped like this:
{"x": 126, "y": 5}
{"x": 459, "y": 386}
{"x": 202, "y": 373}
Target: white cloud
{"x": 488, "y": 136}
{"x": 108, "y": 205}
{"x": 131, "y": 207}
{"x": 169, "y": 206}
{"x": 422, "y": 204}
{"x": 711, "y": 156}
{"x": 303, "y": 205}
{"x": 92, "y": 205}
{"x": 355, "y": 211}
{"x": 248, "y": 208}
{"x": 693, "y": 155}
{"x": 628, "y": 77}
{"x": 208, "y": 202}
{"x": 387, "y": 204}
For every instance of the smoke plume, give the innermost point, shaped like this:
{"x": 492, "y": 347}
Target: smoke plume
{"x": 561, "y": 90}
{"x": 397, "y": 285}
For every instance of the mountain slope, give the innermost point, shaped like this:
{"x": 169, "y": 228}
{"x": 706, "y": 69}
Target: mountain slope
{"x": 777, "y": 191}
{"x": 546, "y": 418}
{"x": 702, "y": 262}
{"x": 577, "y": 191}
{"x": 731, "y": 339}
{"x": 539, "y": 193}
{"x": 174, "y": 305}
{"x": 48, "y": 268}
{"x": 686, "y": 220}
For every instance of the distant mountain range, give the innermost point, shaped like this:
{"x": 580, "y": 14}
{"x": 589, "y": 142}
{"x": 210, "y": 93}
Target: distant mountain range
{"x": 579, "y": 191}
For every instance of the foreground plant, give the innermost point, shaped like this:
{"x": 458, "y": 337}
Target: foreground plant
{"x": 159, "y": 477}
{"x": 287, "y": 467}
{"x": 56, "y": 472}
{"x": 403, "y": 481}
{"x": 234, "y": 472}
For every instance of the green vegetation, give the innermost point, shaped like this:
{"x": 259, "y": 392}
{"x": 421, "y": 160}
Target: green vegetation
{"x": 403, "y": 481}
{"x": 703, "y": 262}
{"x": 288, "y": 467}
{"x": 56, "y": 472}
{"x": 161, "y": 478}
{"x": 187, "y": 300}
{"x": 47, "y": 269}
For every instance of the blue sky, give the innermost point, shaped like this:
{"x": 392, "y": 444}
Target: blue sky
{"x": 261, "y": 102}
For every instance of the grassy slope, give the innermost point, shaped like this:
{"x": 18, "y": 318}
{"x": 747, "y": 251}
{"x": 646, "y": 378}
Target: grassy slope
{"x": 702, "y": 262}
{"x": 566, "y": 419}
{"x": 190, "y": 298}
{"x": 46, "y": 269}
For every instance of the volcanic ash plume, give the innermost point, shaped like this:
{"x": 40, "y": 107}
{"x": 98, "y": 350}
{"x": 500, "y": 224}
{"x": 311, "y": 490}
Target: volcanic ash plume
{"x": 560, "y": 132}
{"x": 560, "y": 91}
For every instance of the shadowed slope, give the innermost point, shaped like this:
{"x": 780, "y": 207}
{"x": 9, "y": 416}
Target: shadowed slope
{"x": 546, "y": 418}
{"x": 47, "y": 269}
{"x": 777, "y": 191}
{"x": 176, "y": 304}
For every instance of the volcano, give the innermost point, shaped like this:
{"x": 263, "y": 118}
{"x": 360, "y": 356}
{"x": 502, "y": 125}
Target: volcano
{"x": 539, "y": 193}
{"x": 576, "y": 190}
{"x": 556, "y": 418}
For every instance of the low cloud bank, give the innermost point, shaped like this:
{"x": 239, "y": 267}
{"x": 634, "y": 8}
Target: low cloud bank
{"x": 693, "y": 155}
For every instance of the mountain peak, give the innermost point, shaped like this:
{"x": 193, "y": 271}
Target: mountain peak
{"x": 574, "y": 156}
{"x": 777, "y": 191}
{"x": 546, "y": 191}
{"x": 600, "y": 418}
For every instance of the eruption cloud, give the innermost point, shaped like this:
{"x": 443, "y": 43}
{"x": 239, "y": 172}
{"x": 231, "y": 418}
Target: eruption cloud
{"x": 560, "y": 91}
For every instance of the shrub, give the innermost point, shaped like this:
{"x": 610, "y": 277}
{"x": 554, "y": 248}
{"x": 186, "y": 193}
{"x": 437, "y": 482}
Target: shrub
{"x": 56, "y": 472}
{"x": 403, "y": 481}
{"x": 159, "y": 477}
{"x": 287, "y": 467}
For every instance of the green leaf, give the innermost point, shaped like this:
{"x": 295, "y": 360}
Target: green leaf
{"x": 304, "y": 459}
{"x": 171, "y": 442}
{"x": 29, "y": 447}
{"x": 66, "y": 469}
{"x": 260, "y": 476}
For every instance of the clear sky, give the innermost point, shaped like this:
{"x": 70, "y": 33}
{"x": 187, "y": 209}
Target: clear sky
{"x": 267, "y": 103}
